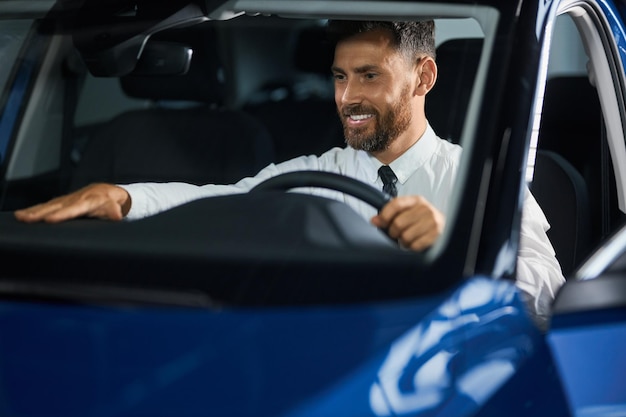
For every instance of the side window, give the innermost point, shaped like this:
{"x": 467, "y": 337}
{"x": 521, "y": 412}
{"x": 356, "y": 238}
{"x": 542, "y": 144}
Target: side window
{"x": 42, "y": 114}
{"x": 579, "y": 136}
{"x": 12, "y": 36}
{"x": 33, "y": 119}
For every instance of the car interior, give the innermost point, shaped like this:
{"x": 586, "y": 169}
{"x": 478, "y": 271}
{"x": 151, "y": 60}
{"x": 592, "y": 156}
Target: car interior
{"x": 102, "y": 142}
{"x": 574, "y": 171}
{"x": 169, "y": 142}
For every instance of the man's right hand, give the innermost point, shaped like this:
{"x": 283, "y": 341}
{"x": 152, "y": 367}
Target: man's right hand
{"x": 103, "y": 201}
{"x": 411, "y": 220}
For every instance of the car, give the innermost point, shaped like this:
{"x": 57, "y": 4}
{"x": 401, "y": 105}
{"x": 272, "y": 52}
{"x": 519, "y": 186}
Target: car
{"x": 280, "y": 303}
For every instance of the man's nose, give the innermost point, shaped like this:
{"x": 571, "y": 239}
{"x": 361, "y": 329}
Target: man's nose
{"x": 352, "y": 92}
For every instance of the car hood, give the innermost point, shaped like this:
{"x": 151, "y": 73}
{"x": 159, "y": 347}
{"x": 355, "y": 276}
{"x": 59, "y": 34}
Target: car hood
{"x": 421, "y": 355}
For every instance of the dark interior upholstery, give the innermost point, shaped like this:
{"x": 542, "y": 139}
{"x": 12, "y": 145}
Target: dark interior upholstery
{"x": 570, "y": 143}
{"x": 186, "y": 136}
{"x": 447, "y": 103}
{"x": 300, "y": 127}
{"x": 562, "y": 194}
{"x": 571, "y": 121}
{"x": 198, "y": 145}
{"x": 303, "y": 121}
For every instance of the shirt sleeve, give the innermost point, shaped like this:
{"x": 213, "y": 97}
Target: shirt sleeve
{"x": 539, "y": 274}
{"x": 148, "y": 199}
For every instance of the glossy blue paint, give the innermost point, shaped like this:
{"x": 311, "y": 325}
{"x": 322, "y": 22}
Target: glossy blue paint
{"x": 590, "y": 357}
{"x": 450, "y": 363}
{"x": 420, "y": 357}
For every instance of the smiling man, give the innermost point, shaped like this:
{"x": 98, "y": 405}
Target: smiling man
{"x": 379, "y": 92}
{"x": 382, "y": 74}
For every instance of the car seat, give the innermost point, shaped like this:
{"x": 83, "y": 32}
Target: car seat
{"x": 186, "y": 136}
{"x": 569, "y": 141}
{"x": 300, "y": 114}
{"x": 447, "y": 103}
{"x": 562, "y": 194}
{"x": 571, "y": 122}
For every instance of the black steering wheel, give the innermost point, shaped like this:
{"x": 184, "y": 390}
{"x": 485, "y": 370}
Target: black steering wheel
{"x": 365, "y": 192}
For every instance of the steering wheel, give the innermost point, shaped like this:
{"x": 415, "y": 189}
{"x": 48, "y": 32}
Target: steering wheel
{"x": 365, "y": 192}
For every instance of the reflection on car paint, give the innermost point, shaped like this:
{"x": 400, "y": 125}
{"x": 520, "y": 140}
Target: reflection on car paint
{"x": 453, "y": 360}
{"x": 419, "y": 371}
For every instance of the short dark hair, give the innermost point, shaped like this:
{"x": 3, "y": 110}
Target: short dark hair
{"x": 410, "y": 38}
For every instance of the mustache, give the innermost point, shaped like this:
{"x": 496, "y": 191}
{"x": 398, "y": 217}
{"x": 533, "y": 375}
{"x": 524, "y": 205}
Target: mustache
{"x": 357, "y": 109}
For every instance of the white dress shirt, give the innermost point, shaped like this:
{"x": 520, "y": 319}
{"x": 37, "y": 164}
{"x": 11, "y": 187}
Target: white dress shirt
{"x": 428, "y": 169}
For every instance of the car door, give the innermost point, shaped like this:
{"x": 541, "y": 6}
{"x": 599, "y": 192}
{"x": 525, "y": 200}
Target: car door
{"x": 579, "y": 126}
{"x": 577, "y": 164}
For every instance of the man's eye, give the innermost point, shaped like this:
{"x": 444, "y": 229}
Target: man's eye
{"x": 339, "y": 77}
{"x": 370, "y": 75}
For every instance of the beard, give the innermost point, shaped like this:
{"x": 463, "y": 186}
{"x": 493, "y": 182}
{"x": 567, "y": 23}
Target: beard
{"x": 386, "y": 129}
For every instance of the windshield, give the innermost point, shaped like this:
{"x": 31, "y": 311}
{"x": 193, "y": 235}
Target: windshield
{"x": 177, "y": 95}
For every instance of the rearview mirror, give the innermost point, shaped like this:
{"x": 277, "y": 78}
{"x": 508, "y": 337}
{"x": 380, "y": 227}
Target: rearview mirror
{"x": 163, "y": 58}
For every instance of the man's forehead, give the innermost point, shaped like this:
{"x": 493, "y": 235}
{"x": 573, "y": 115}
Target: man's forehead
{"x": 376, "y": 36}
{"x": 372, "y": 47}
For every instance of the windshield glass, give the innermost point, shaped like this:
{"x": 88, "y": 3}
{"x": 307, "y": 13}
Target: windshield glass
{"x": 181, "y": 96}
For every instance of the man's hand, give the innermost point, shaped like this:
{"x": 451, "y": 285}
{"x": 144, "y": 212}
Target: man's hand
{"x": 411, "y": 220}
{"x": 104, "y": 201}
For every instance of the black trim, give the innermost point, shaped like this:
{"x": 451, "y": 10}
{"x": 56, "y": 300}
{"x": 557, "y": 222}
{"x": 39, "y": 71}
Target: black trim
{"x": 602, "y": 293}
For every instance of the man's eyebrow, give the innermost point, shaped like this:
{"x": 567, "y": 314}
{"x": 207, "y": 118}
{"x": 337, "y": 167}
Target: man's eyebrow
{"x": 359, "y": 70}
{"x": 365, "y": 68}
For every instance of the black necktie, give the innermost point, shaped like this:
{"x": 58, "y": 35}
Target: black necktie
{"x": 389, "y": 180}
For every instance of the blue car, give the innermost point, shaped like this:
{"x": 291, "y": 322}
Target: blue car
{"x": 280, "y": 303}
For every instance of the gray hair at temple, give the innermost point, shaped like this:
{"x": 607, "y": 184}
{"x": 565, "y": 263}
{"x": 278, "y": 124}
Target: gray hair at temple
{"x": 412, "y": 38}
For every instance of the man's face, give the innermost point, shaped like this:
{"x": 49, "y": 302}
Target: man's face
{"x": 372, "y": 90}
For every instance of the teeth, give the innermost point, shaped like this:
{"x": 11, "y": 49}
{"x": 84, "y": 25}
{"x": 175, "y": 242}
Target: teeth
{"x": 360, "y": 116}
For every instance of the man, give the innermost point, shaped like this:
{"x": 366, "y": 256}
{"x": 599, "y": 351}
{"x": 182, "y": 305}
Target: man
{"x": 383, "y": 72}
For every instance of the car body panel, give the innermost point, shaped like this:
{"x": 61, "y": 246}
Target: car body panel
{"x": 421, "y": 357}
{"x": 590, "y": 360}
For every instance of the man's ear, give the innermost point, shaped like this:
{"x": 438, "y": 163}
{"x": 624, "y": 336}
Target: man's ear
{"x": 426, "y": 75}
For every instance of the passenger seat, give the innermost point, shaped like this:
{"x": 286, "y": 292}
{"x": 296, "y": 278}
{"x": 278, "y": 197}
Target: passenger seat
{"x": 187, "y": 135}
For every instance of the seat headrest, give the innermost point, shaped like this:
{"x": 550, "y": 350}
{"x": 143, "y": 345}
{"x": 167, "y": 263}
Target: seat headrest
{"x": 314, "y": 53}
{"x": 447, "y": 102}
{"x": 204, "y": 82}
{"x": 561, "y": 108}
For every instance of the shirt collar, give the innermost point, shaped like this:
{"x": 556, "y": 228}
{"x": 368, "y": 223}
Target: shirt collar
{"x": 410, "y": 161}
